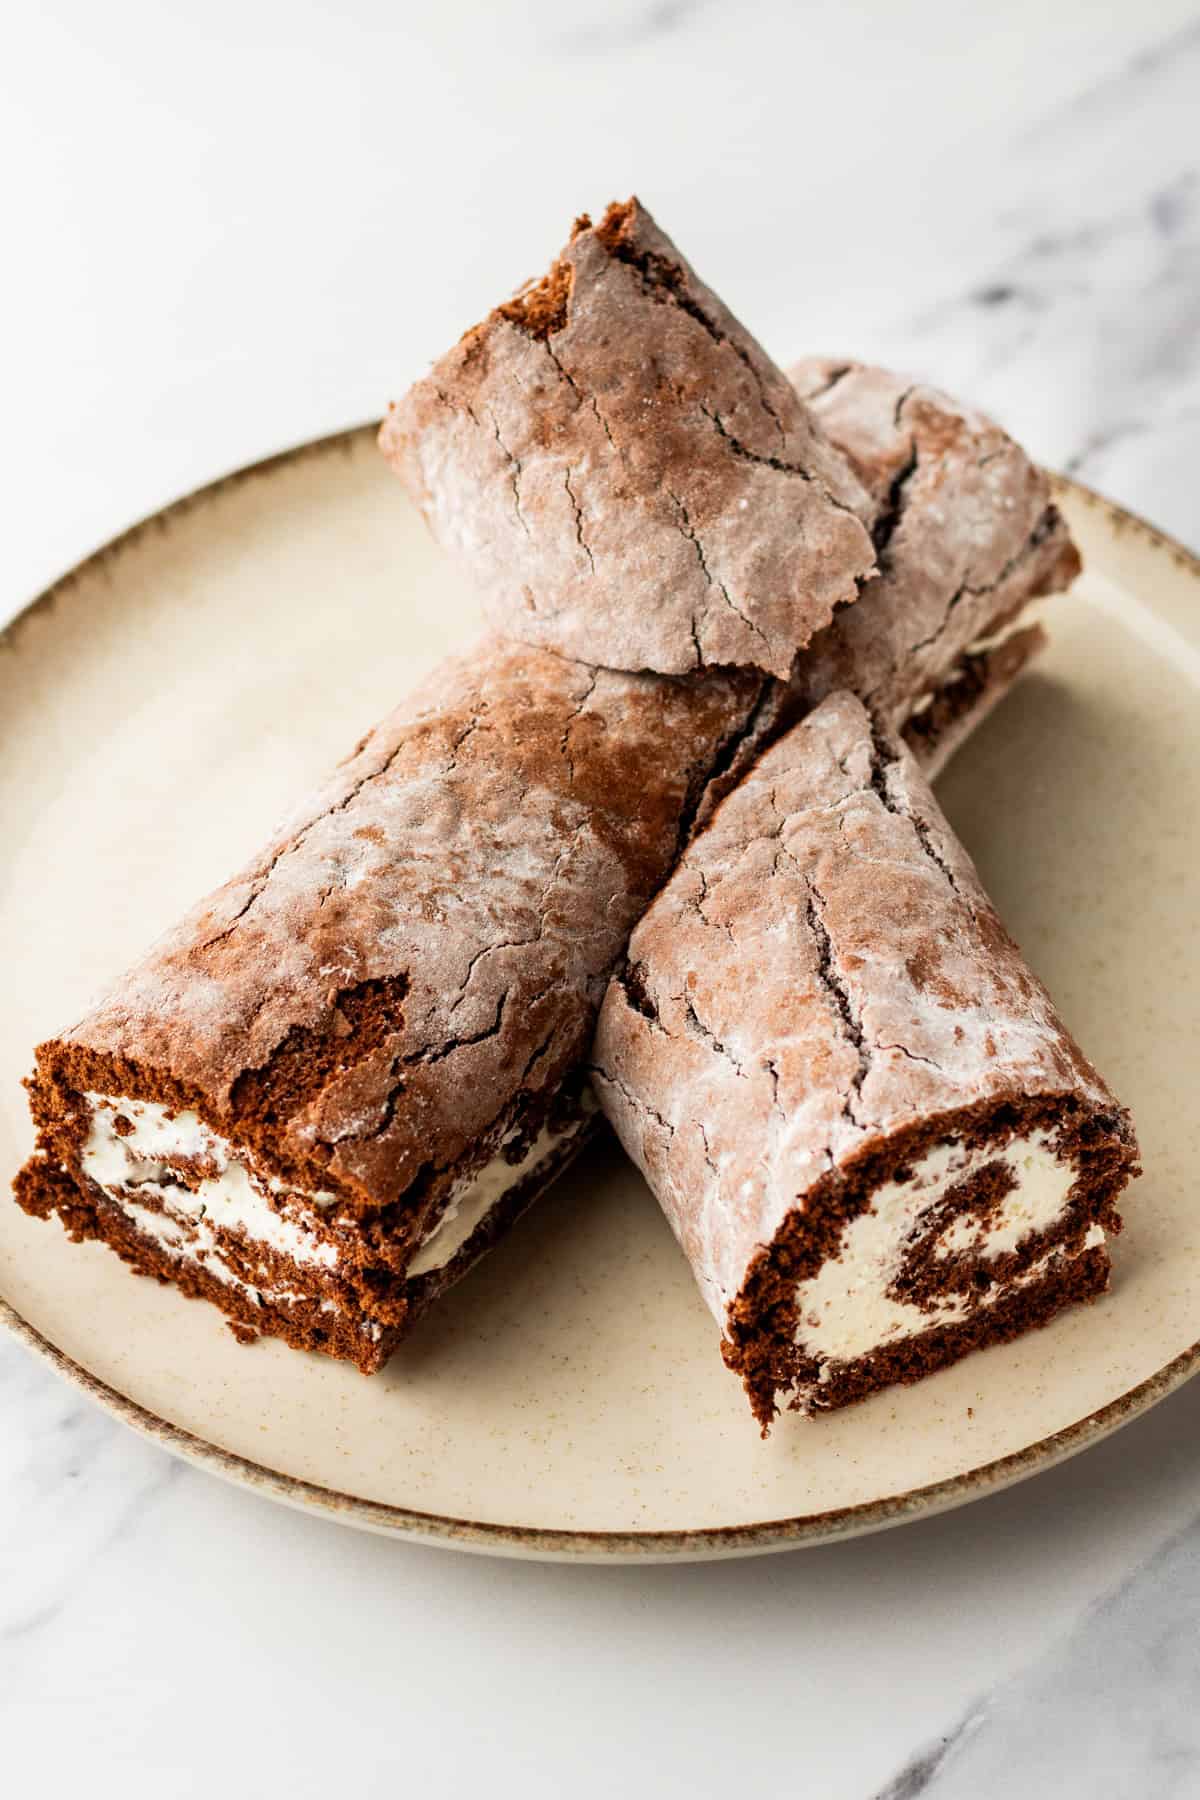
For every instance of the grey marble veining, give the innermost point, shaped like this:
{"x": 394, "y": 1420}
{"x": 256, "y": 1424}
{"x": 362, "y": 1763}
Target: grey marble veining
{"x": 623, "y": 25}
{"x": 71, "y": 1482}
{"x": 1083, "y": 333}
{"x": 1110, "y": 1711}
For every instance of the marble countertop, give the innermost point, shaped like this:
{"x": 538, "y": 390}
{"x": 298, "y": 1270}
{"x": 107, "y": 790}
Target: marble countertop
{"x": 235, "y": 233}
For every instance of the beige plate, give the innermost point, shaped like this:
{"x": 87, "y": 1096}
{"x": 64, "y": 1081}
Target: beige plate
{"x": 166, "y": 701}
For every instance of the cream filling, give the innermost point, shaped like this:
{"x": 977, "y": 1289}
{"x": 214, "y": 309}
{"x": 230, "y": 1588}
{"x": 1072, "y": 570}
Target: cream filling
{"x": 193, "y": 1241}
{"x": 993, "y": 640}
{"x": 472, "y": 1200}
{"x": 141, "y": 1162}
{"x": 234, "y": 1198}
{"x": 845, "y": 1310}
{"x": 981, "y": 646}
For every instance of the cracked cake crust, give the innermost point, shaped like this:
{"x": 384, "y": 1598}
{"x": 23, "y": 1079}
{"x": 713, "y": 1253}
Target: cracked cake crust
{"x": 821, "y": 998}
{"x": 628, "y": 476}
{"x": 415, "y": 958}
{"x": 964, "y": 527}
{"x": 403, "y": 985}
{"x": 943, "y": 630}
{"x": 431, "y": 931}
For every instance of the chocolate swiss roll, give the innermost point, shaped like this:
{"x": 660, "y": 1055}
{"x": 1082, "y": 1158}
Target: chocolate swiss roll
{"x": 967, "y": 537}
{"x": 333, "y": 1085}
{"x": 630, "y": 479}
{"x": 342, "y": 1076}
{"x": 626, "y": 473}
{"x": 872, "y": 1134}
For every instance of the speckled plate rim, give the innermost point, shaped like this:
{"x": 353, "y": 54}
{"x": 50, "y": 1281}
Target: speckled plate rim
{"x": 536, "y": 1542}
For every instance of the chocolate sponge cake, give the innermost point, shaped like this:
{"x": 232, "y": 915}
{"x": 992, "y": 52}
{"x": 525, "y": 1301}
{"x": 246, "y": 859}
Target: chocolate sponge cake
{"x": 627, "y": 474}
{"x": 334, "y": 1083}
{"x": 967, "y": 537}
{"x": 874, "y": 1138}
{"x": 343, "y": 1076}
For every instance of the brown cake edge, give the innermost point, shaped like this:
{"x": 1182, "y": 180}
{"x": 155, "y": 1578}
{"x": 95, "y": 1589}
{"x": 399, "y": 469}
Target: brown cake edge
{"x": 761, "y": 1322}
{"x": 1071, "y": 1280}
{"x": 971, "y": 689}
{"x": 353, "y": 1333}
{"x": 976, "y": 684}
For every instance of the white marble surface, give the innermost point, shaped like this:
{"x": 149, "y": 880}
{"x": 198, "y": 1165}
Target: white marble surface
{"x": 236, "y": 226}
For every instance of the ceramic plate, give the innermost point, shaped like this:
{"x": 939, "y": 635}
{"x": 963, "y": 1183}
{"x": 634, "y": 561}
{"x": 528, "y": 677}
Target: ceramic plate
{"x": 162, "y": 705}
